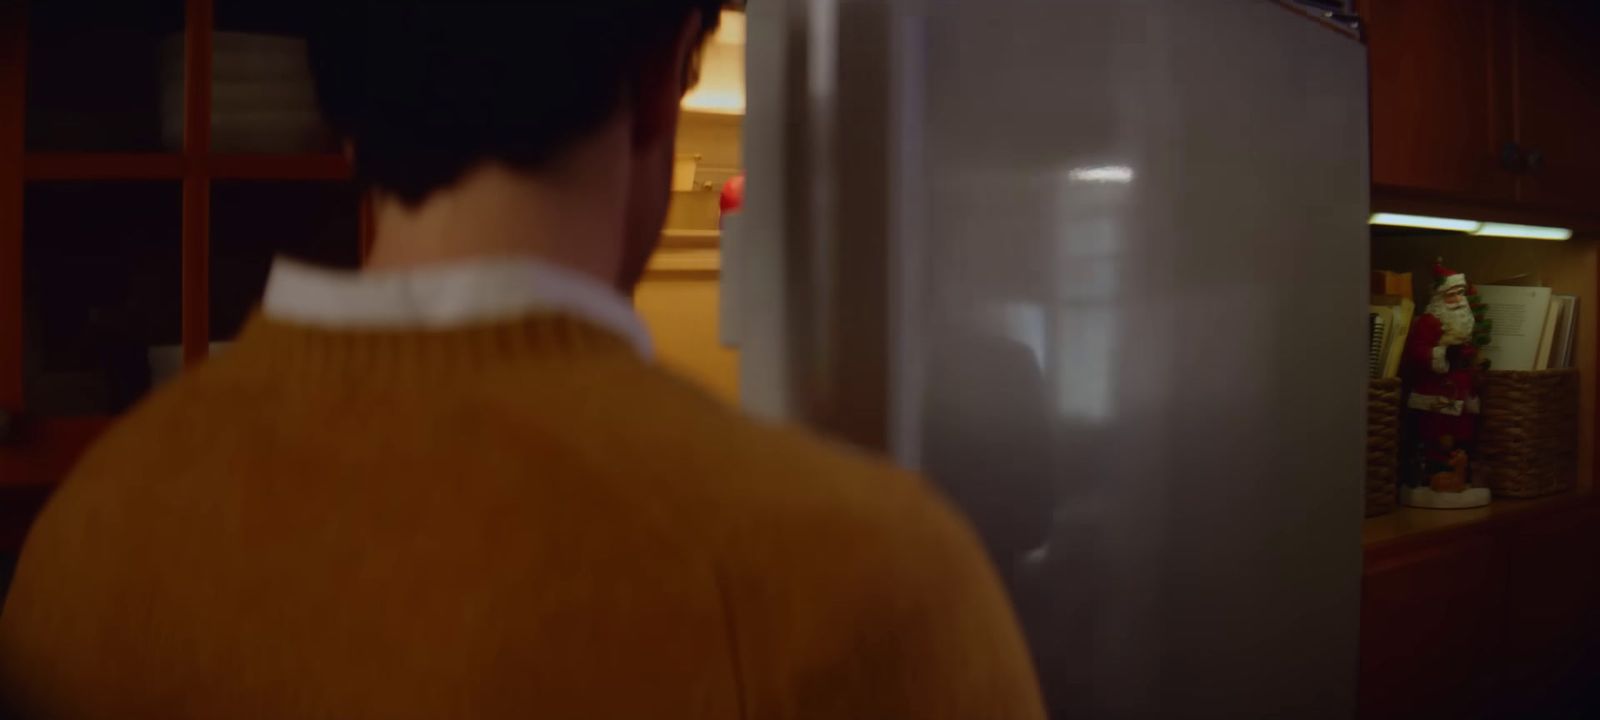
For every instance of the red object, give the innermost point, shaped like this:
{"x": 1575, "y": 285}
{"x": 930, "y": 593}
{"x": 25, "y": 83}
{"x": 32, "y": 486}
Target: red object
{"x": 1443, "y": 375}
{"x": 1441, "y": 273}
{"x": 1456, "y": 384}
{"x": 733, "y": 195}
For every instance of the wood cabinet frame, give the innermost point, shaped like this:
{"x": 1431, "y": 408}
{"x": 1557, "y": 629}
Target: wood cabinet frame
{"x": 38, "y": 451}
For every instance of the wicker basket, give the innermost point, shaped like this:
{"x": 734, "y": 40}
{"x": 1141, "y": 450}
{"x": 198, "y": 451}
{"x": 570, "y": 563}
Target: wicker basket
{"x": 1528, "y": 443}
{"x": 1383, "y": 444}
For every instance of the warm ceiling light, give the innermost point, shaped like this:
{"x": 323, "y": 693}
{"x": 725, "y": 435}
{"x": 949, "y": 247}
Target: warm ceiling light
{"x": 1427, "y": 222}
{"x": 1532, "y": 232}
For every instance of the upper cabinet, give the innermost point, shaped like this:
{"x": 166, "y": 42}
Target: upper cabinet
{"x": 1441, "y": 117}
{"x": 1487, "y": 100}
{"x": 1557, "y": 101}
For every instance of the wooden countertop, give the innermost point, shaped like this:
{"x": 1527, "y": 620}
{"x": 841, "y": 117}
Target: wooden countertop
{"x": 1408, "y": 523}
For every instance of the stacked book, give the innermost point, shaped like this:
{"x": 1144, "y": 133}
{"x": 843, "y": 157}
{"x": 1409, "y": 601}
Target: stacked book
{"x": 1388, "y": 320}
{"x": 1534, "y": 328}
{"x": 263, "y": 99}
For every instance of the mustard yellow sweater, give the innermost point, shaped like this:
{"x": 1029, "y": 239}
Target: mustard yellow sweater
{"x": 518, "y": 520}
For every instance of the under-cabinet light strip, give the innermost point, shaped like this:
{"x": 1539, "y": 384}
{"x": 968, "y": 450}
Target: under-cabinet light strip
{"x": 1473, "y": 227}
{"x": 1532, "y": 232}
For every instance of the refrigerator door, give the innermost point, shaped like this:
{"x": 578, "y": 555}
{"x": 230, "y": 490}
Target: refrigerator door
{"x": 1098, "y": 268}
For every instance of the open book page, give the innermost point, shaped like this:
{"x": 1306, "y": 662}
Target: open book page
{"x": 1518, "y": 314}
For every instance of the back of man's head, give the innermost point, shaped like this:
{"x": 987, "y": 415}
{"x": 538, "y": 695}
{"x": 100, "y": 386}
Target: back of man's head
{"x": 425, "y": 90}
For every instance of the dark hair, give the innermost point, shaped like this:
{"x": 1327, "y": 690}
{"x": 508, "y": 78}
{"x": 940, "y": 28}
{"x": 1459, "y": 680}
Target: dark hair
{"x": 426, "y": 89}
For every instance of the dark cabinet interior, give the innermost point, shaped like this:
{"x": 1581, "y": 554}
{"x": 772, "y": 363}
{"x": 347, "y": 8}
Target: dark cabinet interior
{"x": 102, "y": 294}
{"x": 104, "y": 75}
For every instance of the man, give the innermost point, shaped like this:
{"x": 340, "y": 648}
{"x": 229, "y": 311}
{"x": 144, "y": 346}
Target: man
{"x": 455, "y": 486}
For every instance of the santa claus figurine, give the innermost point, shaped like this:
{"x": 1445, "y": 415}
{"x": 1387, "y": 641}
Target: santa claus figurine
{"x": 1440, "y": 369}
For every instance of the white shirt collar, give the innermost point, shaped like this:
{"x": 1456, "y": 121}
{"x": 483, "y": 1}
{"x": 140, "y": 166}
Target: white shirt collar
{"x": 446, "y": 296}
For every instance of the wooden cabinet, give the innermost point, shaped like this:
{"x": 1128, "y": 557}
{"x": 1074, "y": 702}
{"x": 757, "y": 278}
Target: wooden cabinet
{"x": 1557, "y": 96}
{"x": 1550, "y": 608}
{"x": 1487, "y": 109}
{"x": 1428, "y": 644}
{"x": 1492, "y": 101}
{"x": 1494, "y": 619}
{"x": 1440, "y": 113}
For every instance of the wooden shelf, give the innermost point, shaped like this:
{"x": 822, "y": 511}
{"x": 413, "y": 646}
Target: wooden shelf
{"x": 1408, "y": 523}
{"x": 103, "y": 166}
{"x": 174, "y": 166}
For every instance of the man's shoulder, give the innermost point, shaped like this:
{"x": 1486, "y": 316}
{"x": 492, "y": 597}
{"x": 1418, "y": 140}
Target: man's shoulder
{"x": 638, "y": 433}
{"x": 780, "y": 483}
{"x": 784, "y": 462}
{"x": 646, "y": 412}
{"x": 673, "y": 442}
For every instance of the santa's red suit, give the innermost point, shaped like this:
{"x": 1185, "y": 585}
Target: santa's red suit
{"x": 1447, "y": 402}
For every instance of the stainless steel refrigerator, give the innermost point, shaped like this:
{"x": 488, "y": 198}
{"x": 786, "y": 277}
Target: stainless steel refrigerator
{"x": 1097, "y": 268}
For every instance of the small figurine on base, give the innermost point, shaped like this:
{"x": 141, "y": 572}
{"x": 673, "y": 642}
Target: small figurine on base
{"x": 1440, "y": 369}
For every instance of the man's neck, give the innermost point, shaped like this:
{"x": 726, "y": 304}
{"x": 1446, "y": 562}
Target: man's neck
{"x": 496, "y": 212}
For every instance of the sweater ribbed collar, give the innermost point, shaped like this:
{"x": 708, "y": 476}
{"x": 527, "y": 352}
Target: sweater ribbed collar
{"x": 459, "y": 295}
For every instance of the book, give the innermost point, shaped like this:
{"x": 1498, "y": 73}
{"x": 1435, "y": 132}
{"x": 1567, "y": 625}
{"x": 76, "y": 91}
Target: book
{"x": 1398, "y": 321}
{"x": 1565, "y": 344}
{"x": 1394, "y": 284}
{"x": 1405, "y": 310}
{"x": 1570, "y": 355}
{"x": 1379, "y": 328}
{"x": 1518, "y": 314}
